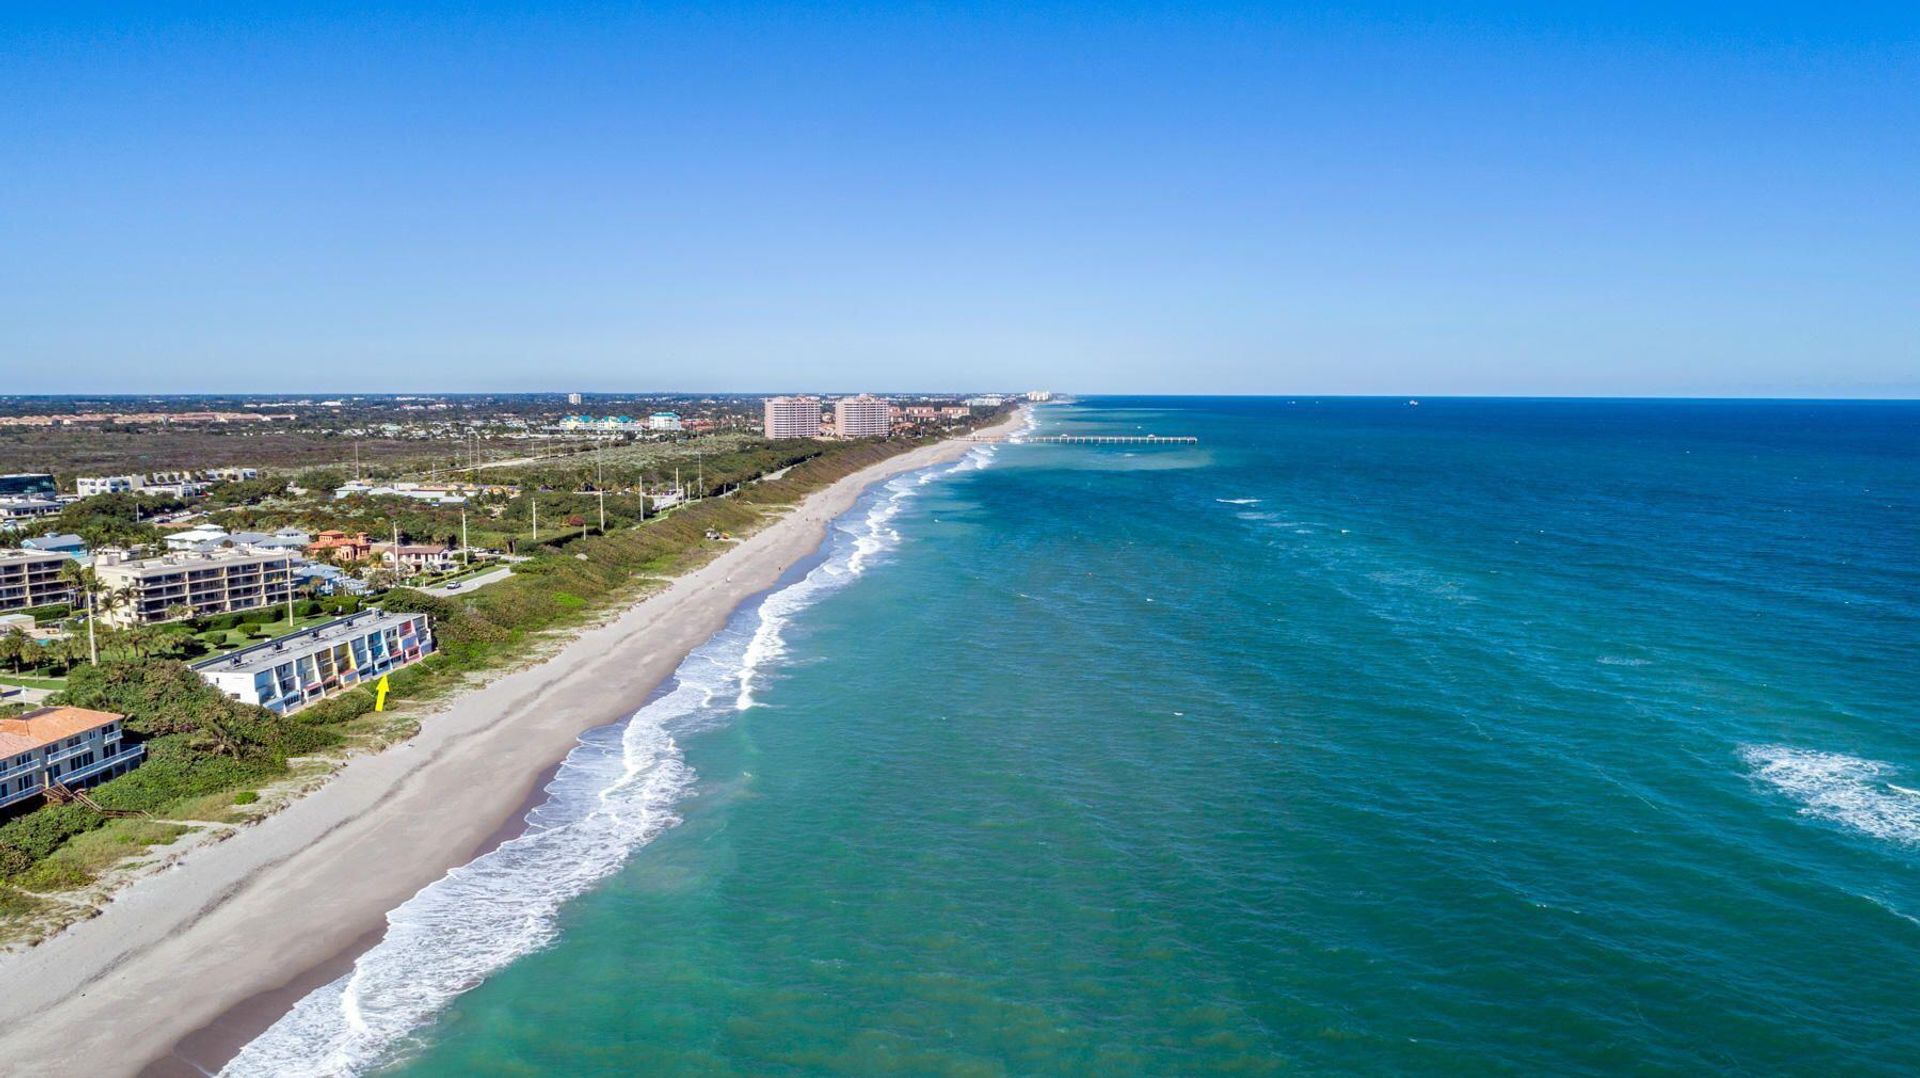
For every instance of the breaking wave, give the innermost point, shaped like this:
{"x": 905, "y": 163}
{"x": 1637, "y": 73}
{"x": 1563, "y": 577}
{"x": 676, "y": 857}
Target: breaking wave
{"x": 1848, "y": 790}
{"x": 614, "y": 793}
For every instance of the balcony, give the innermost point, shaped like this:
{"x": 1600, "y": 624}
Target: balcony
{"x": 129, "y": 754}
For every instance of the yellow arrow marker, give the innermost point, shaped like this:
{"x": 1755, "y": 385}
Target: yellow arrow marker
{"x": 380, "y": 694}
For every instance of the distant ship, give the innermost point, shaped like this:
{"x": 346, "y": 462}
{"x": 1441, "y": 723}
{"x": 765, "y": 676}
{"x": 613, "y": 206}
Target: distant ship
{"x": 1413, "y": 404}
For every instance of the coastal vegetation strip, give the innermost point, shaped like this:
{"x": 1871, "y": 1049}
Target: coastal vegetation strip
{"x": 211, "y": 758}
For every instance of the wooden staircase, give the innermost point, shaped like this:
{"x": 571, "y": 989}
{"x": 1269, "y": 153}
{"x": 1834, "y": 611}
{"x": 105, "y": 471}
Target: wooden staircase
{"x": 59, "y": 793}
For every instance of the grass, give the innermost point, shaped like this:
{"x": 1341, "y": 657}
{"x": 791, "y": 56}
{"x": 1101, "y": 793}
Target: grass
{"x": 81, "y": 859}
{"x": 54, "y": 683}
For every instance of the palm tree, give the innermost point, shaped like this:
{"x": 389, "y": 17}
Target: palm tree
{"x": 84, "y": 581}
{"x": 140, "y": 640}
{"x": 16, "y": 647}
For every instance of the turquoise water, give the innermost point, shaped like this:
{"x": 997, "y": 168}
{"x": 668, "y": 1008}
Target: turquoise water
{"x": 1466, "y": 738}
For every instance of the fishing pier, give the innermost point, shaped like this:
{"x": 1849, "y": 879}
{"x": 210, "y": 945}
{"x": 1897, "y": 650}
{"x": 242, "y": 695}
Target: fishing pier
{"x": 1092, "y": 439}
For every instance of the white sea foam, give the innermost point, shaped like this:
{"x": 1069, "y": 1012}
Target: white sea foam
{"x": 615, "y": 792}
{"x": 1238, "y": 501}
{"x": 1847, "y": 790}
{"x": 1622, "y": 660}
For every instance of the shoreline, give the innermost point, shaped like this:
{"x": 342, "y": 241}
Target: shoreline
{"x": 308, "y": 889}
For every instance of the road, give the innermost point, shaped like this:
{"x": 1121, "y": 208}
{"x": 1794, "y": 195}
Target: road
{"x": 471, "y": 583}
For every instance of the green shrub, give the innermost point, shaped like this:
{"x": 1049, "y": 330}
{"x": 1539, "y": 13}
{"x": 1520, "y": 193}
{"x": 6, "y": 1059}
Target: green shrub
{"x": 54, "y": 875}
{"x": 246, "y": 797}
{"x": 29, "y": 838}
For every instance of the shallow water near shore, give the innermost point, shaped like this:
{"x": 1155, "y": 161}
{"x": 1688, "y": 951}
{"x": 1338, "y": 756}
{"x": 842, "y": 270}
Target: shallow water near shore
{"x": 1473, "y": 737}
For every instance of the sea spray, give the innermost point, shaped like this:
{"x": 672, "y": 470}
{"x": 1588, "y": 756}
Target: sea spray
{"x": 614, "y": 793}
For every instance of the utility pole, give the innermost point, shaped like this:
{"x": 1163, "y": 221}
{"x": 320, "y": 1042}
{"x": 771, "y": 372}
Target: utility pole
{"x": 536, "y": 517}
{"x": 600, "y": 486}
{"x": 466, "y": 552}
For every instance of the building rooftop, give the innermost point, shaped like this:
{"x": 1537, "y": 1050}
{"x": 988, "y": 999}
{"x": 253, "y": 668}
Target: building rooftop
{"x": 38, "y": 729}
{"x": 271, "y": 653}
{"x": 183, "y": 559}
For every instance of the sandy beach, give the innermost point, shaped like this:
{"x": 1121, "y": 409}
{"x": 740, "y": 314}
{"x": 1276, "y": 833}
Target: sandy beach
{"x": 254, "y": 920}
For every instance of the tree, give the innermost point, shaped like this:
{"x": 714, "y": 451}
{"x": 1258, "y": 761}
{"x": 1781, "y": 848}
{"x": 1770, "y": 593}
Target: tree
{"x": 87, "y": 584}
{"x": 16, "y": 648}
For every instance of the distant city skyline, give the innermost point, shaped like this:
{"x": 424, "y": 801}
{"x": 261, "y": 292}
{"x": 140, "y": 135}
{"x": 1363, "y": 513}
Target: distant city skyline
{"x": 1604, "y": 200}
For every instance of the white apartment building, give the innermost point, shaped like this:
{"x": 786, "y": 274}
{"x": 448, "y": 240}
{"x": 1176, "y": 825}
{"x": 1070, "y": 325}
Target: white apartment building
{"x": 862, "y": 417}
{"x": 214, "y": 582}
{"x": 793, "y": 417}
{"x": 90, "y": 485}
{"x": 67, "y": 746}
{"x": 31, "y": 578}
{"x": 668, "y": 421}
{"x": 289, "y": 673}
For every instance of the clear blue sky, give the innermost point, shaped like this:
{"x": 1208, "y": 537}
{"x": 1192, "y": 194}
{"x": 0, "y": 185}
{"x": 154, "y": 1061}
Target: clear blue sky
{"x": 1531, "y": 198}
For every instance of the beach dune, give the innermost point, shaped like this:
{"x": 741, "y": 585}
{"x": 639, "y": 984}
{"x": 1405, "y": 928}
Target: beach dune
{"x": 227, "y": 939}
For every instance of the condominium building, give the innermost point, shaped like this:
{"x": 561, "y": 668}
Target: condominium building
{"x": 793, "y": 417}
{"x": 213, "y": 582}
{"x": 668, "y": 421}
{"x": 31, "y": 578}
{"x": 61, "y": 748}
{"x": 862, "y": 417}
{"x": 289, "y": 673}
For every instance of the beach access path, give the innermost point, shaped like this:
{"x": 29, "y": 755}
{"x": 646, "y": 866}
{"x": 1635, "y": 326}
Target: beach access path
{"x": 232, "y": 920}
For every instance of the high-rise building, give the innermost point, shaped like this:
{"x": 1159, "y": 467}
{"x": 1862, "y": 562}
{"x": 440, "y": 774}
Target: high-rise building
{"x": 573, "y": 398}
{"x": 793, "y": 417}
{"x": 863, "y": 416}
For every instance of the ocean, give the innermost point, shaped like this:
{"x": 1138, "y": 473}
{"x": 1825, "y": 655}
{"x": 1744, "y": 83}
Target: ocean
{"x": 1363, "y": 737}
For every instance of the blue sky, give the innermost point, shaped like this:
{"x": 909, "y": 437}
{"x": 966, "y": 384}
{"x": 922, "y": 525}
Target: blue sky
{"x": 1528, "y": 199}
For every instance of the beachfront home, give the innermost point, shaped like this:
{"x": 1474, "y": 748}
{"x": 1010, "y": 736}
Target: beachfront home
{"x": 61, "y": 747}
{"x": 289, "y": 673}
{"x": 214, "y": 582}
{"x": 30, "y": 578}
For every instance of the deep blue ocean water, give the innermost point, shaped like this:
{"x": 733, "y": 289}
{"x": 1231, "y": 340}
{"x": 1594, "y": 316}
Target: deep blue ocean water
{"x": 1471, "y": 737}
